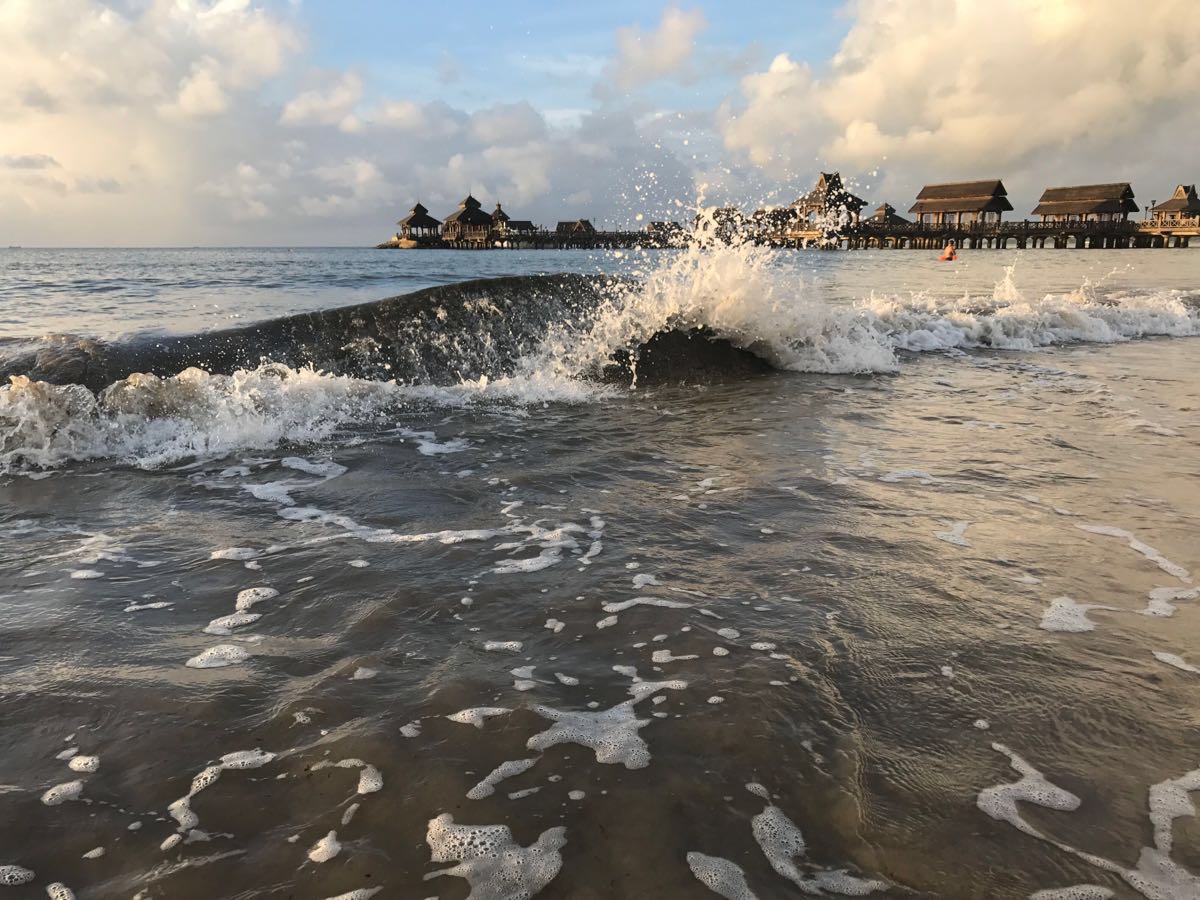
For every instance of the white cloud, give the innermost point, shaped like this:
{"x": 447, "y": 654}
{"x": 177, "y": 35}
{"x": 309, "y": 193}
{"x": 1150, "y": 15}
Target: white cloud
{"x": 962, "y": 88}
{"x": 643, "y": 57}
{"x": 331, "y": 104}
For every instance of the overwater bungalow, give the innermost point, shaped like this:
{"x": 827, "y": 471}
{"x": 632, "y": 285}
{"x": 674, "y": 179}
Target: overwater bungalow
{"x": 419, "y": 226}
{"x": 962, "y": 203}
{"x": 1181, "y": 211}
{"x": 885, "y": 217}
{"x": 1087, "y": 203}
{"x": 828, "y": 201}
{"x": 468, "y": 224}
{"x": 578, "y": 228}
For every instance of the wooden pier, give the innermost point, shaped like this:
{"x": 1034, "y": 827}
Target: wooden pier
{"x": 1021, "y": 235}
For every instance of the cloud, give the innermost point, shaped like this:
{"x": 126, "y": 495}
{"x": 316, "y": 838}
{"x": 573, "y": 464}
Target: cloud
{"x": 962, "y": 88}
{"x": 662, "y": 53}
{"x": 29, "y": 161}
{"x": 331, "y": 104}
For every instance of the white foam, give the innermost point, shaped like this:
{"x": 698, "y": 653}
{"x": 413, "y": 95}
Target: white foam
{"x": 158, "y": 604}
{"x": 84, "y": 764}
{"x": 612, "y": 734}
{"x": 362, "y": 673}
{"x": 411, "y": 730}
{"x": 492, "y": 862}
{"x": 1075, "y": 892}
{"x": 555, "y": 625}
{"x": 1178, "y": 662}
{"x": 665, "y": 656}
{"x": 576, "y": 795}
{"x": 13, "y": 876}
{"x": 61, "y": 793}
{"x": 1064, "y": 614}
{"x": 86, "y": 574}
{"x": 477, "y": 715}
{"x": 1000, "y": 802}
{"x": 730, "y": 634}
{"x": 94, "y": 853}
{"x": 644, "y": 579}
{"x": 568, "y": 680}
{"x": 238, "y": 553}
{"x": 621, "y": 606}
{"x": 327, "y": 469}
{"x": 218, "y": 657}
{"x": 607, "y": 622}
{"x": 720, "y": 651}
{"x": 370, "y": 779}
{"x": 955, "y": 535}
{"x": 503, "y": 646}
{"x": 57, "y": 891}
{"x": 357, "y": 894}
{"x": 181, "y": 809}
{"x": 428, "y": 445}
{"x": 905, "y": 474}
{"x": 252, "y": 596}
{"x": 1144, "y": 549}
{"x": 783, "y": 845}
{"x": 720, "y": 876}
{"x": 763, "y": 646}
{"x": 1163, "y": 599}
{"x": 325, "y": 849}
{"x": 225, "y": 624}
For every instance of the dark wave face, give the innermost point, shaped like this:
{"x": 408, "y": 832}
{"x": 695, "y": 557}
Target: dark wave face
{"x": 440, "y": 335}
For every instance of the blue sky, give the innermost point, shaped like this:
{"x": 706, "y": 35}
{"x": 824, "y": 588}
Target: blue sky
{"x": 547, "y": 53}
{"x": 318, "y": 122}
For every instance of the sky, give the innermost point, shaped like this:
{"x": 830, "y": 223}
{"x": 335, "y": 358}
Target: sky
{"x": 314, "y": 122}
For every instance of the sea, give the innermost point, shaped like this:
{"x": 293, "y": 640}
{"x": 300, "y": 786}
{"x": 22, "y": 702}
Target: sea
{"x": 892, "y": 591}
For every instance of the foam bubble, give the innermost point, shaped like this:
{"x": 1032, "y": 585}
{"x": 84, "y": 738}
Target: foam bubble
{"x": 13, "y": 876}
{"x": 1075, "y": 892}
{"x": 568, "y": 680}
{"x": 94, "y": 853}
{"x": 956, "y": 534}
{"x": 1144, "y": 549}
{"x": 492, "y": 862}
{"x": 555, "y": 625}
{"x": 86, "y": 764}
{"x": 1000, "y": 802}
{"x": 59, "y": 891}
{"x": 665, "y": 656}
{"x": 411, "y": 730}
{"x": 225, "y": 624}
{"x": 1065, "y": 614}
{"x": 783, "y": 845}
{"x": 325, "y": 849}
{"x": 61, "y": 793}
{"x": 576, "y": 795}
{"x": 357, "y": 894}
{"x": 477, "y": 715}
{"x": 218, "y": 657}
{"x": 720, "y": 876}
{"x": 362, "y": 673}
{"x": 623, "y": 605}
{"x": 503, "y": 646}
{"x": 612, "y": 734}
{"x": 251, "y": 596}
{"x": 86, "y": 574}
{"x": 607, "y": 622}
{"x": 1178, "y": 662}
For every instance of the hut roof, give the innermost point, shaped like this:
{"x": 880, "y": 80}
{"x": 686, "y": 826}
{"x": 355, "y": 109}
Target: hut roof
{"x": 469, "y": 215}
{"x": 962, "y": 196}
{"x": 419, "y": 217}
{"x": 829, "y": 193}
{"x": 521, "y": 225}
{"x": 1087, "y": 199}
{"x": 1183, "y": 200}
{"x": 887, "y": 213}
{"x": 578, "y": 226}
{"x": 499, "y": 215}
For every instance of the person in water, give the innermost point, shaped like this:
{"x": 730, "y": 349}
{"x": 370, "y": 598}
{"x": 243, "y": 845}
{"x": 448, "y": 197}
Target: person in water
{"x": 949, "y": 254}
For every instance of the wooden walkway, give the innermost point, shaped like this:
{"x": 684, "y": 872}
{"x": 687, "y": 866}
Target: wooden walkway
{"x": 866, "y": 235}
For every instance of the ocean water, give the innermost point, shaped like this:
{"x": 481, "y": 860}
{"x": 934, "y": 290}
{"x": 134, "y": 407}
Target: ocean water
{"x": 915, "y": 613}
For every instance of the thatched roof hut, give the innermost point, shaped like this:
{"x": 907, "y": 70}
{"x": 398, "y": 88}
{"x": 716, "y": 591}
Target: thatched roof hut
{"x": 829, "y": 195}
{"x": 418, "y": 221}
{"x": 1183, "y": 202}
{"x": 885, "y": 214}
{"x": 575, "y": 229}
{"x": 1087, "y": 202}
{"x": 962, "y": 202}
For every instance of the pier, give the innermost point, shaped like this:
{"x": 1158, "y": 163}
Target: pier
{"x": 969, "y": 215}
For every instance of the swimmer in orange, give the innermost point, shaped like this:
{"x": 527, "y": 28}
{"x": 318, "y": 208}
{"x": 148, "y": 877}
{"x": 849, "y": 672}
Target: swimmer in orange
{"x": 949, "y": 254}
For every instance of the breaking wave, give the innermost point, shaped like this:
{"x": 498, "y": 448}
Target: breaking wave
{"x": 705, "y": 312}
